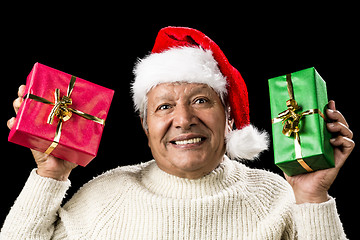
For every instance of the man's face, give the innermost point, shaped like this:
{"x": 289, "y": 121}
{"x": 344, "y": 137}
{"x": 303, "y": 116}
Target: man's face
{"x": 186, "y": 128}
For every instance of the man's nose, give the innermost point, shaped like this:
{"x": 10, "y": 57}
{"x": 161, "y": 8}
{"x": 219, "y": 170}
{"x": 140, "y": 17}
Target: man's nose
{"x": 184, "y": 117}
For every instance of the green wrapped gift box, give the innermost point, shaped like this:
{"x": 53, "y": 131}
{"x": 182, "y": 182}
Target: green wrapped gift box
{"x": 300, "y": 138}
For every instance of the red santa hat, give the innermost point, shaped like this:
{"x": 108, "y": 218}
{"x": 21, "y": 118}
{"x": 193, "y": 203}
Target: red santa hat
{"x": 187, "y": 55}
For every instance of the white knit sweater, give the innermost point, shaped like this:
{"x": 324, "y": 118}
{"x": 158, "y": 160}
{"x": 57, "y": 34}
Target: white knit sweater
{"x": 143, "y": 202}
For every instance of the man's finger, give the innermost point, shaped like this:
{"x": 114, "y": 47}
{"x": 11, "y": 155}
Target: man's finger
{"x": 340, "y": 140}
{"x": 343, "y": 146}
{"x": 21, "y": 91}
{"x": 331, "y": 105}
{"x": 346, "y": 145}
{"x": 335, "y": 115}
{"x": 10, "y": 122}
{"x": 17, "y": 103}
{"x": 338, "y": 127}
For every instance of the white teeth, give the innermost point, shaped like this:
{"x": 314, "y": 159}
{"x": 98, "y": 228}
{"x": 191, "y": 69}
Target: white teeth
{"x": 189, "y": 141}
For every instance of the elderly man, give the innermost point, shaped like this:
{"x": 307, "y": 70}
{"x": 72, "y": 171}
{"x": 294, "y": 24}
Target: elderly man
{"x": 190, "y": 100}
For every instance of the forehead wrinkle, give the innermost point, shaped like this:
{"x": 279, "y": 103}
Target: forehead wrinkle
{"x": 164, "y": 95}
{"x": 171, "y": 93}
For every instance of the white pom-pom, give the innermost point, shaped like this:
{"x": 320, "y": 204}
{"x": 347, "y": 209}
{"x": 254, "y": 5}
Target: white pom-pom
{"x": 246, "y": 143}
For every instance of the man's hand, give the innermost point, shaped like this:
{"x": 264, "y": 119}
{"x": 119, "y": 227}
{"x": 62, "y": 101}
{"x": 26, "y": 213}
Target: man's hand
{"x": 313, "y": 187}
{"x": 48, "y": 166}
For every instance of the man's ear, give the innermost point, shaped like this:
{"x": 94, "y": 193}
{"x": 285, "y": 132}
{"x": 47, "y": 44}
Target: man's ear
{"x": 229, "y": 126}
{"x": 145, "y": 130}
{"x": 142, "y": 125}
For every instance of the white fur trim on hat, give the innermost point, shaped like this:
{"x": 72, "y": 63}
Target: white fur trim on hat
{"x": 186, "y": 64}
{"x": 246, "y": 143}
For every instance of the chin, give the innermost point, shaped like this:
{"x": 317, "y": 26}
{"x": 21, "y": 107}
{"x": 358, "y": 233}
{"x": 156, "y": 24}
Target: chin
{"x": 192, "y": 162}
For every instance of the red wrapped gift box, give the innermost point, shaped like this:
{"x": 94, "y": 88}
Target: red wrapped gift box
{"x": 78, "y": 135}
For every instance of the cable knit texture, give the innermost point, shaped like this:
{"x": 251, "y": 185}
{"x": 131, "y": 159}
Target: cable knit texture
{"x": 143, "y": 202}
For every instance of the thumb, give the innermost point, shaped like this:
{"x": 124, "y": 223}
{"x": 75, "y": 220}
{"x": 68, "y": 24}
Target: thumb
{"x": 331, "y": 105}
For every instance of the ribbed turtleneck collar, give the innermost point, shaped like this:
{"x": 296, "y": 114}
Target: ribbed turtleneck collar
{"x": 166, "y": 185}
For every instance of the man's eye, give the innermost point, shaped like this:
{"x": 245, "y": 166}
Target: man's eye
{"x": 164, "y": 107}
{"x": 200, "y": 100}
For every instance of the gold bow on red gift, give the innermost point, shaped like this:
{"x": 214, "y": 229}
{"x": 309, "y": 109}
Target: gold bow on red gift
{"x": 291, "y": 121}
{"x": 62, "y": 110}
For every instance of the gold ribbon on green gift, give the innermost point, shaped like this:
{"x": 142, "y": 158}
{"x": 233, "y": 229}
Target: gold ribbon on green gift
{"x": 290, "y": 119}
{"x": 62, "y": 110}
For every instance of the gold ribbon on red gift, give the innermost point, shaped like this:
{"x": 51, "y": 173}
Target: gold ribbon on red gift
{"x": 290, "y": 119}
{"x": 62, "y": 110}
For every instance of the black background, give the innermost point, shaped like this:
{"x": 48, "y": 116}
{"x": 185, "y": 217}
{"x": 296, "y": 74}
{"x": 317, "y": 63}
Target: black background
{"x": 104, "y": 49}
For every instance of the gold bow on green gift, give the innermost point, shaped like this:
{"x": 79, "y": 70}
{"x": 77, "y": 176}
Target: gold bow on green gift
{"x": 290, "y": 119}
{"x": 62, "y": 110}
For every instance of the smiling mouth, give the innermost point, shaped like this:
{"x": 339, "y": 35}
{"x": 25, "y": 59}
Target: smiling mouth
{"x": 195, "y": 140}
{"x": 188, "y": 141}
